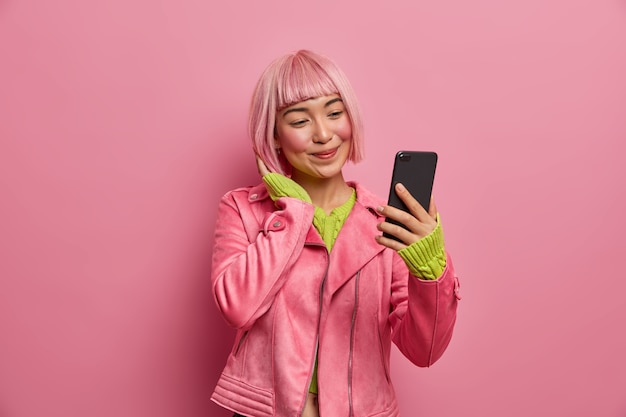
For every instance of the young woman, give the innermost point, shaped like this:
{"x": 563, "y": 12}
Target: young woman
{"x": 302, "y": 271}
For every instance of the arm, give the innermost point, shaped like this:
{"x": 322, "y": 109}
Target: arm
{"x": 425, "y": 297}
{"x": 424, "y": 313}
{"x": 247, "y": 275}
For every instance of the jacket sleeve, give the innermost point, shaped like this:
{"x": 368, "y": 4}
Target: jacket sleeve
{"x": 247, "y": 273}
{"x": 424, "y": 313}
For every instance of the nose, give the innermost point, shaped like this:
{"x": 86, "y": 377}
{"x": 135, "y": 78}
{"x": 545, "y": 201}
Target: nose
{"x": 322, "y": 133}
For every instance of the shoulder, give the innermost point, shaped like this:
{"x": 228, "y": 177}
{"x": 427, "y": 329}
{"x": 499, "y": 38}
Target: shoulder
{"x": 250, "y": 194}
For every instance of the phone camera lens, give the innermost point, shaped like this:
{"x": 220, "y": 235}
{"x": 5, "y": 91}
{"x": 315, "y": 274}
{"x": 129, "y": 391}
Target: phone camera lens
{"x": 405, "y": 157}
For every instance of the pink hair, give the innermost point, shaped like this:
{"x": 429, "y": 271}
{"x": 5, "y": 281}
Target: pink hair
{"x": 292, "y": 78}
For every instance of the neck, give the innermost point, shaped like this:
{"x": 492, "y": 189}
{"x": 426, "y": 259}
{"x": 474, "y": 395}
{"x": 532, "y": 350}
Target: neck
{"x": 326, "y": 193}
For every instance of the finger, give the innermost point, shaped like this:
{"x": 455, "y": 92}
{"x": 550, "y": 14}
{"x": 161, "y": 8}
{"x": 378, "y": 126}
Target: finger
{"x": 403, "y": 226}
{"x": 415, "y": 208}
{"x": 416, "y": 229}
{"x": 413, "y": 229}
{"x": 400, "y": 216}
{"x": 432, "y": 209}
{"x": 390, "y": 243}
{"x": 388, "y": 230}
{"x": 262, "y": 168}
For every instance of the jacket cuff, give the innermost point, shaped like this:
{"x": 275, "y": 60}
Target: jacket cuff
{"x": 426, "y": 258}
{"x": 280, "y": 186}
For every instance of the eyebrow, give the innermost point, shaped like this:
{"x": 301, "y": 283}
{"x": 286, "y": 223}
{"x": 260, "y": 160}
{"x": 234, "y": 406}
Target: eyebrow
{"x": 328, "y": 103}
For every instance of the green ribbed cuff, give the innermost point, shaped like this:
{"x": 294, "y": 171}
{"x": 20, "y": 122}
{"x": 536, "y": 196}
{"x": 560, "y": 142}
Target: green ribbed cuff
{"x": 426, "y": 258}
{"x": 280, "y": 186}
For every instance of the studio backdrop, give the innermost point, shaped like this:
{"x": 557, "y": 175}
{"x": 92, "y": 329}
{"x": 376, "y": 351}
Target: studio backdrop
{"x": 123, "y": 122}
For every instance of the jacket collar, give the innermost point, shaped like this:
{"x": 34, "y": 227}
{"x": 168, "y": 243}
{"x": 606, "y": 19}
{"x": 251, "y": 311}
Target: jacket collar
{"x": 258, "y": 193}
{"x": 355, "y": 245}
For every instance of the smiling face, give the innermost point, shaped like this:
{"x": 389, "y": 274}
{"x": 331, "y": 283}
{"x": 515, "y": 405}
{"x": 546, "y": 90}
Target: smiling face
{"x": 315, "y": 137}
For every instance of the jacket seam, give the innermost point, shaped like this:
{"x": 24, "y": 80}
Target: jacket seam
{"x": 352, "y": 340}
{"x": 436, "y": 320}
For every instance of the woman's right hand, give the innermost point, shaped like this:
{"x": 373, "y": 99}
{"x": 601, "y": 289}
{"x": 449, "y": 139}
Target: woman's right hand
{"x": 262, "y": 168}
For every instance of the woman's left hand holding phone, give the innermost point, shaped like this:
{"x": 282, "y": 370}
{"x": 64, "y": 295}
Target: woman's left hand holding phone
{"x": 420, "y": 223}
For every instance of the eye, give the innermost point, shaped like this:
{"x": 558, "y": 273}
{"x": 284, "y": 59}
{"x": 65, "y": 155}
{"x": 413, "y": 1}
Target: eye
{"x": 298, "y": 123}
{"x": 335, "y": 114}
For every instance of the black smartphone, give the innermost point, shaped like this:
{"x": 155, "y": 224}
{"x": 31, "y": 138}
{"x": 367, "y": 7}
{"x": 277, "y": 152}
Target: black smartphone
{"x": 416, "y": 171}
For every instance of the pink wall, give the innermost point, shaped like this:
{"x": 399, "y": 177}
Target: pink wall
{"x": 122, "y": 122}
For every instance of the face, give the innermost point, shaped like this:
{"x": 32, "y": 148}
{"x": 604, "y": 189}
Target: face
{"x": 314, "y": 136}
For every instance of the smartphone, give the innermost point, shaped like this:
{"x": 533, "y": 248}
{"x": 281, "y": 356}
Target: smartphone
{"x": 416, "y": 171}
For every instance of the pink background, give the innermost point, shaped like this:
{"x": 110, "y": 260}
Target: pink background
{"x": 122, "y": 123}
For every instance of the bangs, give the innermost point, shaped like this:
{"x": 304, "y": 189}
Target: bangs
{"x": 302, "y": 79}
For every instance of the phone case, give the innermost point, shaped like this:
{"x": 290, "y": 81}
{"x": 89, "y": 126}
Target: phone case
{"x": 416, "y": 171}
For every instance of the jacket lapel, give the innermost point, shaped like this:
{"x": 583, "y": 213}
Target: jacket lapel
{"x": 355, "y": 245}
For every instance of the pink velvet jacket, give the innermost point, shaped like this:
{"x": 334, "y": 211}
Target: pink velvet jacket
{"x": 288, "y": 297}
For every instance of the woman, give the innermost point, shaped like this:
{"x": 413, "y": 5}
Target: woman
{"x": 302, "y": 271}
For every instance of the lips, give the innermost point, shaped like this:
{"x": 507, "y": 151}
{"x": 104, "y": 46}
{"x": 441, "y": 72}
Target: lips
{"x": 326, "y": 154}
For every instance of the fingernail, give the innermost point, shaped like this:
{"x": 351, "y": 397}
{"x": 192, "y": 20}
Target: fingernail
{"x": 380, "y": 209}
{"x": 400, "y": 187}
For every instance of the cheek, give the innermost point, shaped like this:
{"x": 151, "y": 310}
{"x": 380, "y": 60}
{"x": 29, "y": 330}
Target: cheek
{"x": 344, "y": 130}
{"x": 293, "y": 141}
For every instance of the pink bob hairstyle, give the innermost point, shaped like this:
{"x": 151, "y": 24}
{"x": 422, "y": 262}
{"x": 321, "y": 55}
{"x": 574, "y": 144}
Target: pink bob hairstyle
{"x": 292, "y": 78}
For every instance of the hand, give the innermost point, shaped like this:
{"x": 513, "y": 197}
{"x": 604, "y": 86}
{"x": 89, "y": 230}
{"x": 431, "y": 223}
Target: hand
{"x": 419, "y": 222}
{"x": 262, "y": 168}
